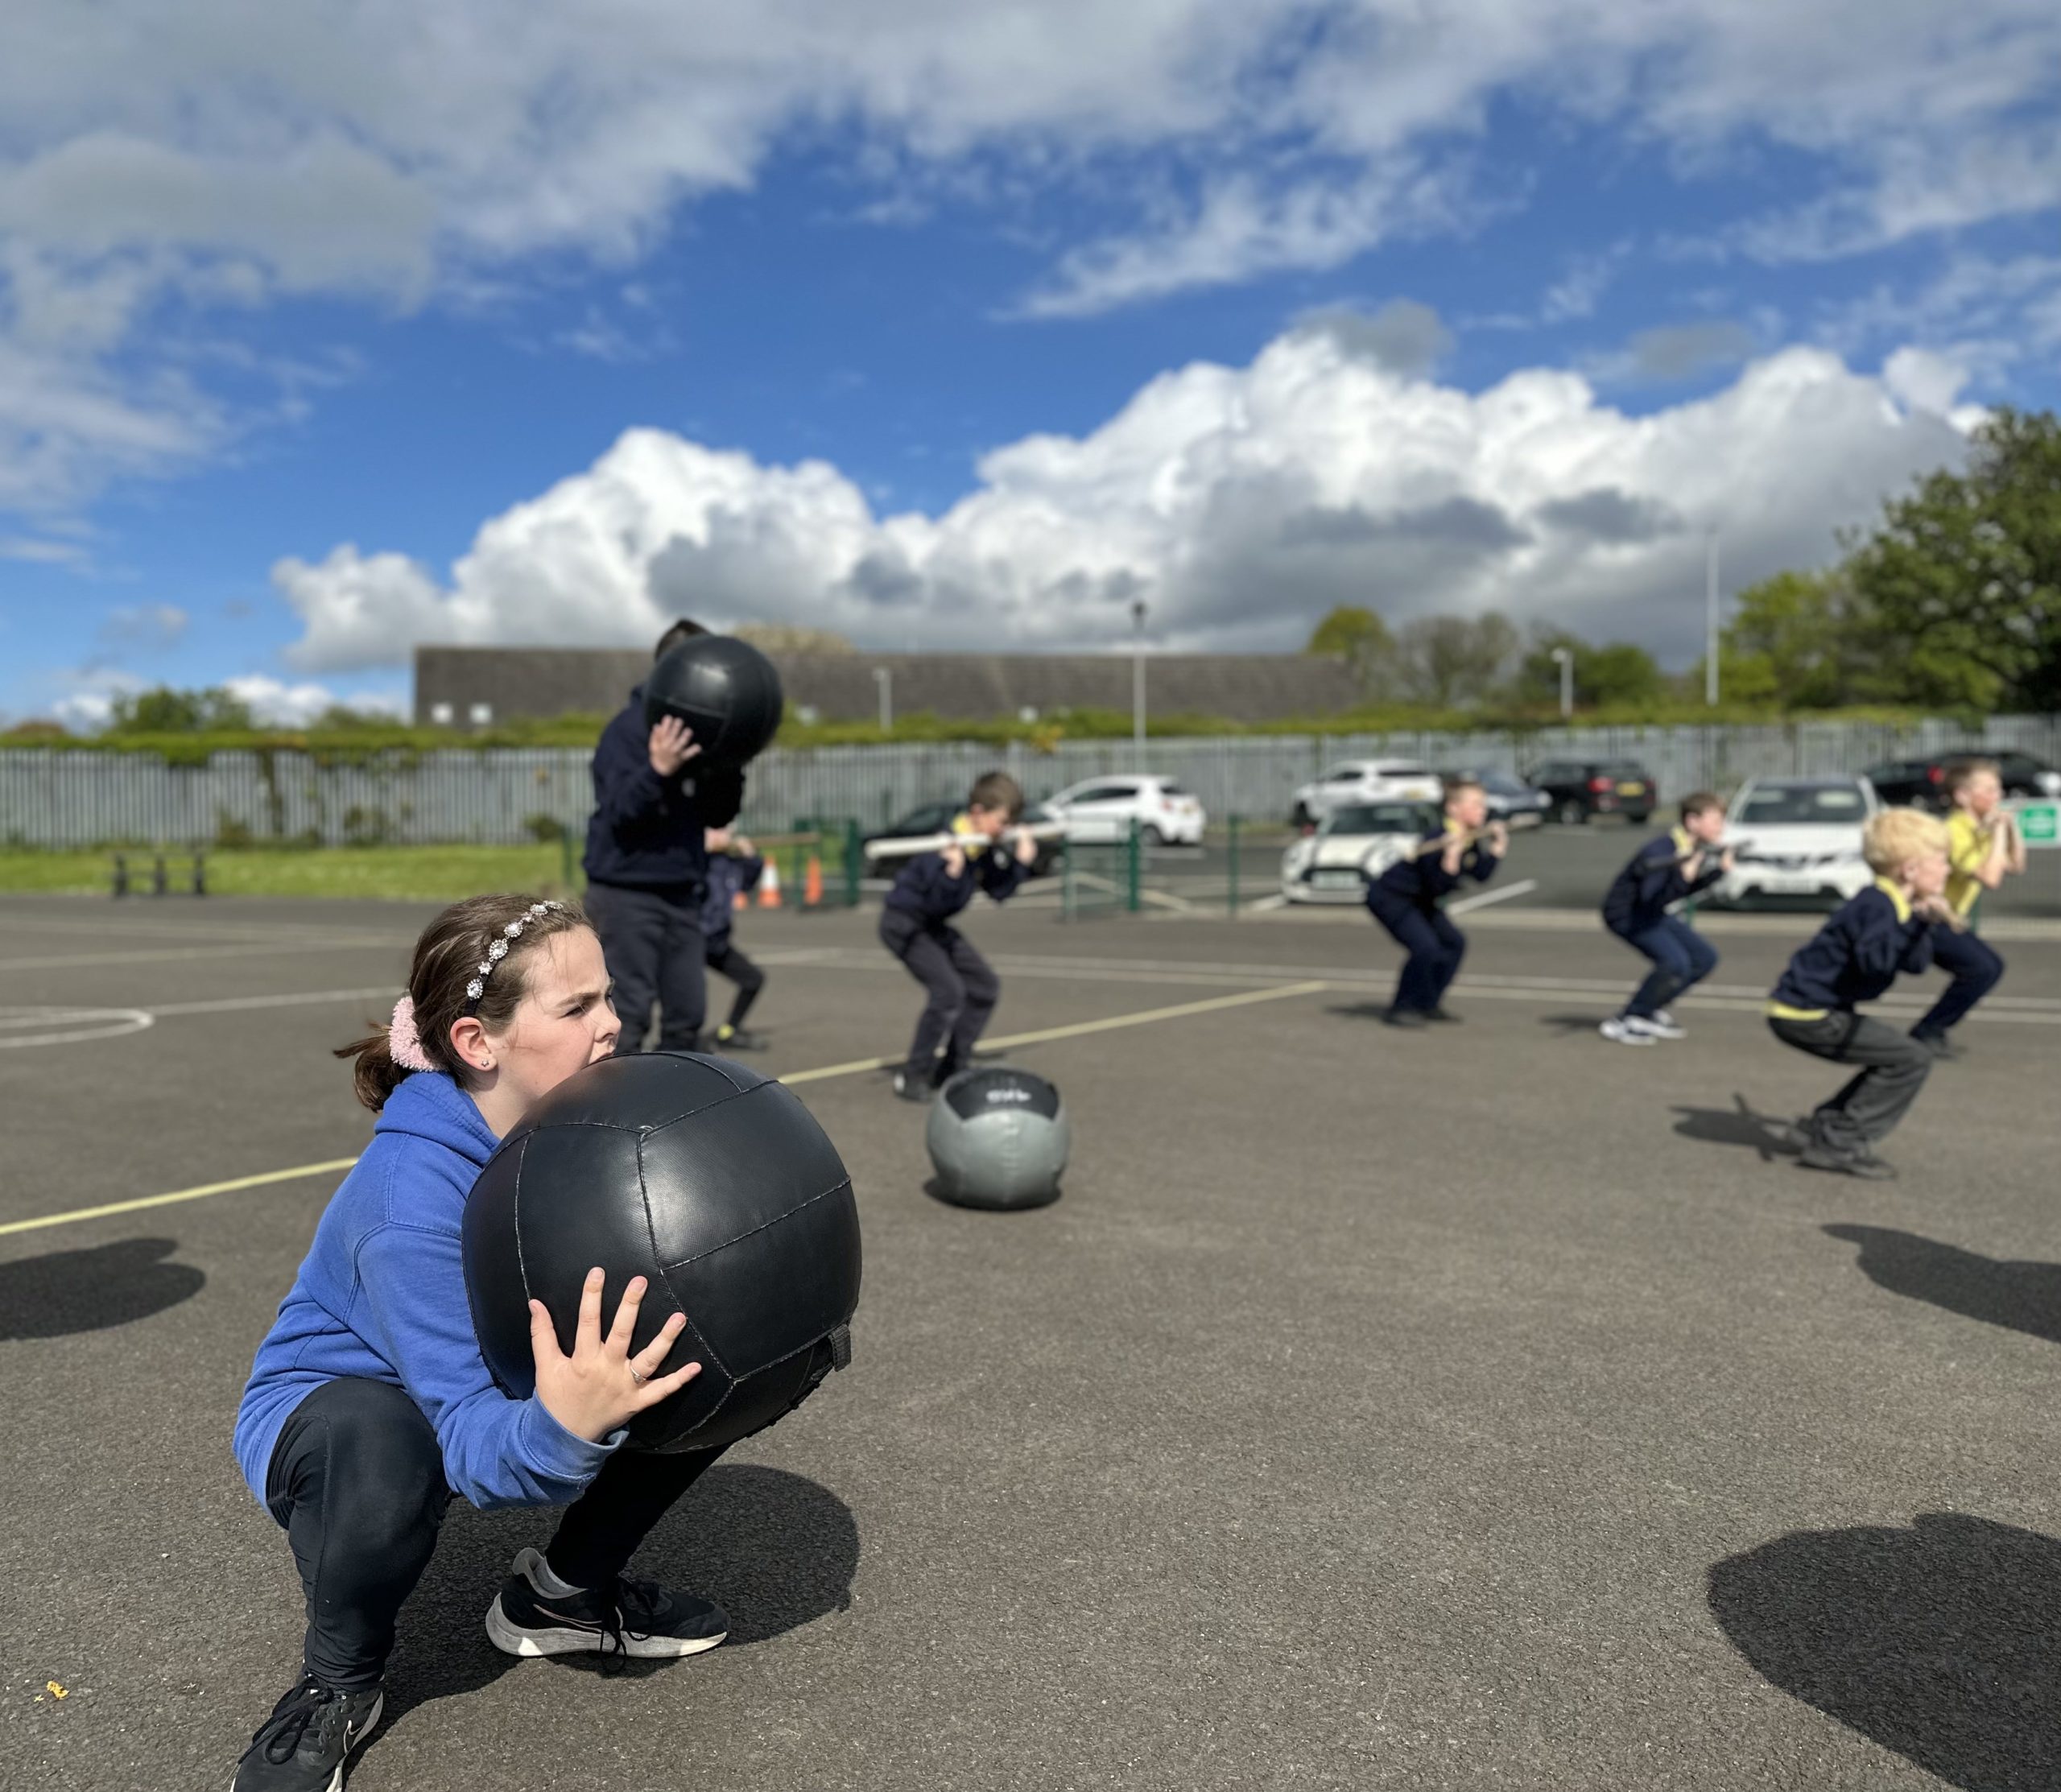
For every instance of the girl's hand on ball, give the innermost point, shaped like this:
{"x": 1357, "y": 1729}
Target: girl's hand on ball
{"x": 672, "y": 746}
{"x": 600, "y": 1387}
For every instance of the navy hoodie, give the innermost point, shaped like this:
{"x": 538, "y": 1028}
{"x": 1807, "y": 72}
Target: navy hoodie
{"x": 924, "y": 888}
{"x": 381, "y": 1297}
{"x": 647, "y": 831}
{"x": 1642, "y": 893}
{"x": 729, "y": 874}
{"x": 1856, "y": 956}
{"x": 1420, "y": 882}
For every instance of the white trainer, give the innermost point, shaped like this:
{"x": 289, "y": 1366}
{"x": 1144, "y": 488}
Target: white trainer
{"x": 1619, "y": 1031}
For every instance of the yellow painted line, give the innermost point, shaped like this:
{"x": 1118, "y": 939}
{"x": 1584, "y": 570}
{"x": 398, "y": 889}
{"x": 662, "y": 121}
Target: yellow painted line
{"x": 198, "y": 1194}
{"x": 858, "y": 1066}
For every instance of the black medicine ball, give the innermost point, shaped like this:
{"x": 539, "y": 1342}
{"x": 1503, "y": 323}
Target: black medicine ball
{"x": 716, "y": 1186}
{"x": 724, "y": 689}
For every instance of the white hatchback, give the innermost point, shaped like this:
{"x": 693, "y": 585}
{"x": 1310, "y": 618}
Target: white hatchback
{"x": 1798, "y": 838}
{"x": 1365, "y": 780}
{"x": 1350, "y": 845}
{"x": 1102, "y": 809}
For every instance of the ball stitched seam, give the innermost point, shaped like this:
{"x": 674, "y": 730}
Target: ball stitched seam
{"x": 750, "y": 1233}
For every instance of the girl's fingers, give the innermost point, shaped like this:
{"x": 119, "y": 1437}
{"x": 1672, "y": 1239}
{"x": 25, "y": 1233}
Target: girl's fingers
{"x": 625, "y": 1315}
{"x": 651, "y": 1392}
{"x": 646, "y": 1362}
{"x": 543, "y": 1335}
{"x": 590, "y": 1311}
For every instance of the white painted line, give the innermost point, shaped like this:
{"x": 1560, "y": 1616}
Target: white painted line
{"x": 75, "y": 1026}
{"x": 1466, "y": 904}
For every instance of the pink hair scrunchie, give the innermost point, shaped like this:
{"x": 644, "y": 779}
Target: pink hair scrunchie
{"x": 404, "y": 1043}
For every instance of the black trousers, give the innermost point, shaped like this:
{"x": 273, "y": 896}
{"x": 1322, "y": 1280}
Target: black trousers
{"x": 357, "y": 1480}
{"x": 1975, "y": 968}
{"x": 1894, "y": 1069}
{"x": 1436, "y": 947}
{"x": 724, "y": 959}
{"x": 652, "y": 941}
{"x": 963, "y": 989}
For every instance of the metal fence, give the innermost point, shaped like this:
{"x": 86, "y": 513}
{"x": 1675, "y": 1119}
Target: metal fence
{"x": 505, "y": 795}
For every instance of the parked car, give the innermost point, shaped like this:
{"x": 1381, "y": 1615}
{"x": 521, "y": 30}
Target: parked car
{"x": 1579, "y": 790}
{"x": 1365, "y": 781}
{"x": 1510, "y": 799}
{"x": 1351, "y": 845}
{"x": 1798, "y": 839}
{"x": 936, "y": 818}
{"x": 1923, "y": 782}
{"x": 1104, "y": 809}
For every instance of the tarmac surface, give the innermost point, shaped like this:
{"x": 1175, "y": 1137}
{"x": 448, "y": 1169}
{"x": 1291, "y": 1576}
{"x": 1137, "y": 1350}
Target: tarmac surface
{"x": 1490, "y": 1406}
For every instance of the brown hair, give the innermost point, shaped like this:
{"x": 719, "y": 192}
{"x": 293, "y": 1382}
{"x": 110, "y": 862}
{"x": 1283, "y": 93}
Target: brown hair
{"x": 1700, "y": 803}
{"x": 1453, "y": 787}
{"x": 996, "y": 790}
{"x": 1963, "y": 772}
{"x": 685, "y": 629}
{"x": 448, "y": 957}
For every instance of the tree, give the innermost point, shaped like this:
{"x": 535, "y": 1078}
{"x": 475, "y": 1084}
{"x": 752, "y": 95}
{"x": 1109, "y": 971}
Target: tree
{"x": 1962, "y": 579}
{"x": 163, "y": 710}
{"x": 1360, "y": 639}
{"x": 1449, "y": 662}
{"x": 1800, "y": 640}
{"x": 1616, "y": 675}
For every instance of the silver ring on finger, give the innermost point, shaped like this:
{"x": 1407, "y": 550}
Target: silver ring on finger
{"x": 637, "y": 1376}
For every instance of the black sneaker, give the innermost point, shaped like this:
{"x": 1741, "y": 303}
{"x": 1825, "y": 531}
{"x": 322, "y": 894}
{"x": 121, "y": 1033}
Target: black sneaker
{"x": 635, "y": 1618}
{"x": 1407, "y": 1017}
{"x": 736, "y": 1039}
{"x": 1445, "y": 1016}
{"x": 1862, "y": 1164}
{"x": 913, "y": 1088}
{"x": 301, "y": 1747}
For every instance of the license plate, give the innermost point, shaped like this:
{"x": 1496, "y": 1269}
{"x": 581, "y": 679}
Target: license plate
{"x": 1335, "y": 880}
{"x": 1631, "y": 790}
{"x": 1788, "y": 884}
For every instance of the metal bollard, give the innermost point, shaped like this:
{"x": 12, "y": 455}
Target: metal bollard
{"x": 159, "y": 881}
{"x": 120, "y": 874}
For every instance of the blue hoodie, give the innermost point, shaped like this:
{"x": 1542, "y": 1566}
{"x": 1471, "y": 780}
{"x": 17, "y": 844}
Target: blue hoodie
{"x": 382, "y": 1295}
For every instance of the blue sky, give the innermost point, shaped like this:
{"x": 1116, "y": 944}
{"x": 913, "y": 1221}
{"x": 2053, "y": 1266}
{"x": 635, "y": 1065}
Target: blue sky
{"x": 961, "y": 329}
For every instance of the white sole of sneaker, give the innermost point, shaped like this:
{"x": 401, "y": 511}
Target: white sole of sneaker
{"x": 352, "y": 1742}
{"x": 512, "y": 1639}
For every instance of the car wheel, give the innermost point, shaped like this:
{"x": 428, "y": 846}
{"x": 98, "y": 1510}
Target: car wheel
{"x": 1153, "y": 834}
{"x": 1572, "y": 815}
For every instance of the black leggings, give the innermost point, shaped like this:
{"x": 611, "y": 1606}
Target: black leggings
{"x": 357, "y": 1480}
{"x": 724, "y": 959}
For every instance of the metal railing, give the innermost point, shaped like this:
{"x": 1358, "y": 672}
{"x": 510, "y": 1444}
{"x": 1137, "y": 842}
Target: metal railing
{"x": 503, "y": 796}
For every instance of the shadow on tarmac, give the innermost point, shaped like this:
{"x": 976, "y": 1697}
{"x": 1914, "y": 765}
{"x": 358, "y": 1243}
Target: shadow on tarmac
{"x": 64, "y": 1293}
{"x": 2020, "y": 1296}
{"x": 1739, "y": 1125}
{"x": 1937, "y": 1641}
{"x": 775, "y": 1550}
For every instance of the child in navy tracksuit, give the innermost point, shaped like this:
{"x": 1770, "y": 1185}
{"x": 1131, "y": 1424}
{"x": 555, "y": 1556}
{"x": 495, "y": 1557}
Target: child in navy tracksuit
{"x": 915, "y": 925}
{"x": 1884, "y": 931}
{"x": 1663, "y": 873}
{"x": 1405, "y": 899}
{"x": 734, "y": 870}
{"x": 369, "y": 1406}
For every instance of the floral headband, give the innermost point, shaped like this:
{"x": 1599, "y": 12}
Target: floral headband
{"x": 499, "y": 950}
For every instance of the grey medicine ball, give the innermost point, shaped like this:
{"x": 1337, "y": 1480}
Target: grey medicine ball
{"x": 999, "y": 1138}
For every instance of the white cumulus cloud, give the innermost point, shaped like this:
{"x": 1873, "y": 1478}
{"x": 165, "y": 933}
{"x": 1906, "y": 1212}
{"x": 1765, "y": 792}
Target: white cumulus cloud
{"x": 1240, "y": 503}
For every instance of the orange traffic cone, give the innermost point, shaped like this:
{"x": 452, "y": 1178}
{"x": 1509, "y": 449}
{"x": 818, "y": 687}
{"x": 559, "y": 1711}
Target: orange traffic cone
{"x": 769, "y": 887}
{"x": 812, "y": 883}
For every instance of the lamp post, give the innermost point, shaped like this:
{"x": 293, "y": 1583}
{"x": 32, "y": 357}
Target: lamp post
{"x": 1710, "y": 624}
{"x": 1138, "y": 681}
{"x": 1564, "y": 658}
{"x": 884, "y": 677}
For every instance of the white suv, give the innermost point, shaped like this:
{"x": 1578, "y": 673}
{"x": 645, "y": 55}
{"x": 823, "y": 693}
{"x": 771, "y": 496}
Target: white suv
{"x": 1365, "y": 780}
{"x": 1104, "y": 809}
{"x": 1798, "y": 837}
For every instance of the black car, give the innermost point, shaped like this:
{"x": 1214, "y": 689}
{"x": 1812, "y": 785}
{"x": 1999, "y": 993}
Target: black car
{"x": 936, "y": 818}
{"x": 1580, "y": 790}
{"x": 1923, "y": 782}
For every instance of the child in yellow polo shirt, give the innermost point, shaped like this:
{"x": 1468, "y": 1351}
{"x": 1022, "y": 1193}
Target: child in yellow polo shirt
{"x": 1983, "y": 848}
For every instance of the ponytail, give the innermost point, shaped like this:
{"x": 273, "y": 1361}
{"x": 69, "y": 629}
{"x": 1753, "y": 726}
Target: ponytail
{"x": 375, "y": 1075}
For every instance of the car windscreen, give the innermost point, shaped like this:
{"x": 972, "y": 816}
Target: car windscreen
{"x": 1375, "y": 818}
{"x": 1822, "y": 805}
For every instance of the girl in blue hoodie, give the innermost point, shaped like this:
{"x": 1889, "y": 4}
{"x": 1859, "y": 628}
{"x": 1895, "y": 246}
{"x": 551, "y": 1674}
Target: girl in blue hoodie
{"x": 369, "y": 1404}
